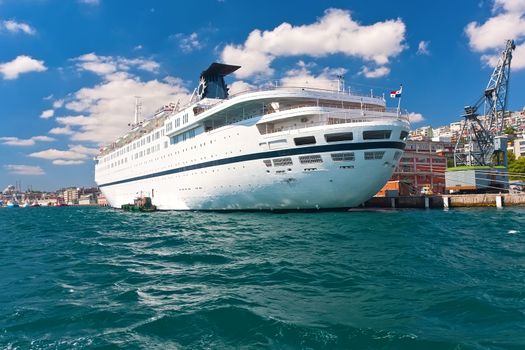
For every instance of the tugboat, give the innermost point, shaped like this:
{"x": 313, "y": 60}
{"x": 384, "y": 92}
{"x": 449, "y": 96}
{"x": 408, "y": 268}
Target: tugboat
{"x": 142, "y": 204}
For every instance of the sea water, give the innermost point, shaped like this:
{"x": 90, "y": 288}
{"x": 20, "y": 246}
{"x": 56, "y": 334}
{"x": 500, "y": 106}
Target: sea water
{"x": 80, "y": 277}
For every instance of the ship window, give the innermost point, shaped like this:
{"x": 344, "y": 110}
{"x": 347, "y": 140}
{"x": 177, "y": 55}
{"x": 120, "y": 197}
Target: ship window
{"x": 397, "y": 155}
{"x": 376, "y": 134}
{"x": 177, "y": 122}
{"x": 267, "y": 162}
{"x": 343, "y": 157}
{"x": 148, "y": 139}
{"x": 403, "y": 135}
{"x": 157, "y": 135}
{"x": 314, "y": 158}
{"x": 339, "y": 136}
{"x": 374, "y": 155}
{"x": 282, "y": 161}
{"x": 307, "y": 140}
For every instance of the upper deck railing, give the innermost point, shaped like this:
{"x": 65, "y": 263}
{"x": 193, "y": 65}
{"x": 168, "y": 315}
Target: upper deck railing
{"x": 155, "y": 122}
{"x": 339, "y": 117}
{"x": 303, "y": 88}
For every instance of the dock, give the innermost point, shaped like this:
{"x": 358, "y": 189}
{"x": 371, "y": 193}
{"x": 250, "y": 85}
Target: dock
{"x": 447, "y": 201}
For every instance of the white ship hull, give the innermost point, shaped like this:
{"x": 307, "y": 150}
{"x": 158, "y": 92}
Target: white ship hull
{"x": 250, "y": 184}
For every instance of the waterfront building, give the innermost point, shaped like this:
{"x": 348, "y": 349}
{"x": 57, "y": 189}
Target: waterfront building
{"x": 87, "y": 199}
{"x": 71, "y": 196}
{"x": 519, "y": 147}
{"x": 422, "y": 133}
{"x": 102, "y": 201}
{"x": 423, "y": 164}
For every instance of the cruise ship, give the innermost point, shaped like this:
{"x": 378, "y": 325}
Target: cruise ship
{"x": 276, "y": 148}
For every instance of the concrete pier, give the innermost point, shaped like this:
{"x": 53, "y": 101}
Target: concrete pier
{"x": 448, "y": 201}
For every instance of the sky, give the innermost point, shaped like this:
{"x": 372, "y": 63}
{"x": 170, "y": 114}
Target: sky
{"x": 70, "y": 69}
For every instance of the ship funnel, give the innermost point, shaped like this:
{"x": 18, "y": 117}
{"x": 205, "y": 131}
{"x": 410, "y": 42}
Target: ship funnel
{"x": 211, "y": 84}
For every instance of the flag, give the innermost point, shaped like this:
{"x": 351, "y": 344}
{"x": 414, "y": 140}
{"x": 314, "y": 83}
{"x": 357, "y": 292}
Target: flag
{"x": 396, "y": 93}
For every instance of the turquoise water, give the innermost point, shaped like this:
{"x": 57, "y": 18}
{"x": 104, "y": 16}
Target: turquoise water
{"x": 100, "y": 278}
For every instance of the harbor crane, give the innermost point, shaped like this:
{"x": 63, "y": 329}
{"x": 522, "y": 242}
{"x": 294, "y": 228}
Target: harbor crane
{"x": 481, "y": 142}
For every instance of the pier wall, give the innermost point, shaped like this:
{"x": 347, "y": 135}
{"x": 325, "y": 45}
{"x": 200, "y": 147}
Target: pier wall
{"x": 453, "y": 201}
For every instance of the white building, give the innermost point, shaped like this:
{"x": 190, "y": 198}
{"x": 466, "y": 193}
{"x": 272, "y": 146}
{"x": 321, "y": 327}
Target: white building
{"x": 519, "y": 147}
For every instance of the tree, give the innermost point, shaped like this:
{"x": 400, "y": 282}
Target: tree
{"x": 510, "y": 156}
{"x": 517, "y": 169}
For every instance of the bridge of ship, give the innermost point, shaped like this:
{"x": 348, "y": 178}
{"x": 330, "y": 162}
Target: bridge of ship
{"x": 282, "y": 113}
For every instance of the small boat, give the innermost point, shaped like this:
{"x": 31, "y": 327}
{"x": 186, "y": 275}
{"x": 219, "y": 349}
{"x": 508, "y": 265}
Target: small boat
{"x": 142, "y": 204}
{"x": 12, "y": 204}
{"x": 35, "y": 204}
{"x": 26, "y": 204}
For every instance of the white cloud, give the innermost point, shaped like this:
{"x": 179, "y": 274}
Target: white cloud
{"x": 106, "y": 66}
{"x": 302, "y": 76}
{"x": 376, "y": 72}
{"x": 108, "y": 107}
{"x": 67, "y": 162}
{"x": 188, "y": 43}
{"x": 76, "y": 154}
{"x": 422, "y": 48}
{"x": 335, "y": 32}
{"x": 415, "y": 117}
{"x": 15, "y": 27}
{"x": 104, "y": 111}
{"x": 58, "y": 103}
{"x": 77, "y": 120}
{"x": 239, "y": 86}
{"x": 61, "y": 131}
{"x": 48, "y": 113}
{"x": 18, "y": 169}
{"x": 507, "y": 22}
{"x": 509, "y": 5}
{"x": 21, "y": 64}
{"x": 15, "y": 141}
{"x": 173, "y": 80}
{"x": 84, "y": 150}
{"x": 43, "y": 138}
{"x": 53, "y": 153}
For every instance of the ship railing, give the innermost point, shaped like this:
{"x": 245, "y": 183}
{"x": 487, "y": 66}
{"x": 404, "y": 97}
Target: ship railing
{"x": 269, "y": 109}
{"x": 267, "y": 87}
{"x": 146, "y": 127}
{"x": 334, "y": 118}
{"x": 271, "y": 87}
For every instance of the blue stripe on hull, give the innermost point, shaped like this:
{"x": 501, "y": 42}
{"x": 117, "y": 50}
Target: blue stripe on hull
{"x": 270, "y": 154}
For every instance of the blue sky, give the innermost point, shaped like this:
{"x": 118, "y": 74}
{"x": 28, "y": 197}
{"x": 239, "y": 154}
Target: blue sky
{"x": 69, "y": 70}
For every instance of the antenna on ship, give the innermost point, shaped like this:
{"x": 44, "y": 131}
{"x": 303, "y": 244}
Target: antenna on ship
{"x": 340, "y": 83}
{"x": 138, "y": 112}
{"x": 138, "y": 109}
